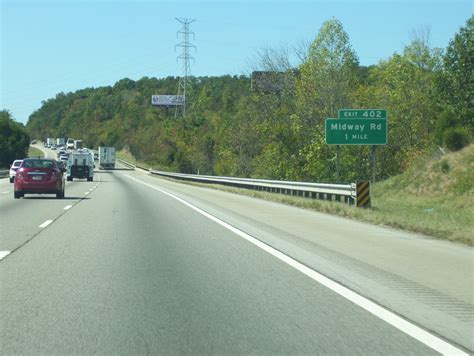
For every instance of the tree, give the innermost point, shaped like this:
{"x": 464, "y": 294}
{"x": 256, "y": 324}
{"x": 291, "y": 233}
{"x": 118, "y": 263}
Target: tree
{"x": 14, "y": 140}
{"x": 327, "y": 80}
{"x": 456, "y": 83}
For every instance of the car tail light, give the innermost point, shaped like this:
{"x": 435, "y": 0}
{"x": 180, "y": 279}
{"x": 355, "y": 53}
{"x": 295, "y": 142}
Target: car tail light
{"x": 19, "y": 176}
{"x": 54, "y": 175}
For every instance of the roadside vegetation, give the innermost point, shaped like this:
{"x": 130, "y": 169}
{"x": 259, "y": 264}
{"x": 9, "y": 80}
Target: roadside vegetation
{"x": 14, "y": 140}
{"x": 127, "y": 156}
{"x": 34, "y": 152}
{"x": 434, "y": 197}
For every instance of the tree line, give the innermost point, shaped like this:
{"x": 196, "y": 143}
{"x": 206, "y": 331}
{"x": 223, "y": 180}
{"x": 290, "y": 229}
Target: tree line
{"x": 14, "y": 140}
{"x": 271, "y": 124}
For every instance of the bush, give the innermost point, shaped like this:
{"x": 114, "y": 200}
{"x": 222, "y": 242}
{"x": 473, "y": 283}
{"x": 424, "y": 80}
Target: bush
{"x": 455, "y": 139}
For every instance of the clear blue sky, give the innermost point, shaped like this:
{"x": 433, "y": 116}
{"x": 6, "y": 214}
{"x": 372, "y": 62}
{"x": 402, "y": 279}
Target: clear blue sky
{"x": 49, "y": 47}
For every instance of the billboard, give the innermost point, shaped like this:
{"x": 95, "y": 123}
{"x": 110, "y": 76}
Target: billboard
{"x": 167, "y": 100}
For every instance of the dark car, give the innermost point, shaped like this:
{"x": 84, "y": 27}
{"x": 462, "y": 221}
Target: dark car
{"x": 39, "y": 176}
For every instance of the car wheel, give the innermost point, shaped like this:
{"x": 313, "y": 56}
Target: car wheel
{"x": 12, "y": 179}
{"x": 69, "y": 179}
{"x": 18, "y": 195}
{"x": 90, "y": 179}
{"x": 60, "y": 195}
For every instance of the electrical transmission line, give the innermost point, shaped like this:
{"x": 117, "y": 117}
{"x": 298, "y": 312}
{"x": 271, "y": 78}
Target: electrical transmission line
{"x": 185, "y": 57}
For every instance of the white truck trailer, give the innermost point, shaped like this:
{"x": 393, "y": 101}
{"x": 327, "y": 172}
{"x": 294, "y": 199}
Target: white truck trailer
{"x": 60, "y": 142}
{"x": 106, "y": 157}
{"x": 80, "y": 164}
{"x": 78, "y": 144}
{"x": 70, "y": 144}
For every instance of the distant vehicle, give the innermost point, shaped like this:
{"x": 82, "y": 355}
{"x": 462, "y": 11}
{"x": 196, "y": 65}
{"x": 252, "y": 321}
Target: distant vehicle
{"x": 60, "y": 142}
{"x": 80, "y": 165}
{"x": 106, "y": 157}
{"x": 61, "y": 165}
{"x": 78, "y": 144}
{"x": 13, "y": 168}
{"x": 49, "y": 141}
{"x": 53, "y": 146}
{"x": 70, "y": 144}
{"x": 61, "y": 152}
{"x": 33, "y": 142}
{"x": 39, "y": 176}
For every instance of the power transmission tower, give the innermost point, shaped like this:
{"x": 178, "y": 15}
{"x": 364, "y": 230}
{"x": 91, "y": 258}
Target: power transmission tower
{"x": 185, "y": 58}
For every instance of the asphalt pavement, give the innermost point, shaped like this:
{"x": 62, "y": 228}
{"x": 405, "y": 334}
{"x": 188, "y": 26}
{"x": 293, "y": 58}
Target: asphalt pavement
{"x": 130, "y": 264}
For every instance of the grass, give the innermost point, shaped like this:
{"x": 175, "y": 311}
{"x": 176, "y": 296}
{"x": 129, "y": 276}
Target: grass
{"x": 34, "y": 152}
{"x": 434, "y": 197}
{"x": 127, "y": 156}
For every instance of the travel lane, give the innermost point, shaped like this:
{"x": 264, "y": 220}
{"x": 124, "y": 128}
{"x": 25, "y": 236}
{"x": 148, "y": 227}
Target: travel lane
{"x": 380, "y": 263}
{"x": 4, "y": 186}
{"x": 136, "y": 271}
{"x": 20, "y": 219}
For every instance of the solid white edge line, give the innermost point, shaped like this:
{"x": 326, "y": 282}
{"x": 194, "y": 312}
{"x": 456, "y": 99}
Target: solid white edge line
{"x": 46, "y": 223}
{"x": 4, "y": 254}
{"x": 401, "y": 324}
{"x": 67, "y": 207}
{"x": 5, "y": 192}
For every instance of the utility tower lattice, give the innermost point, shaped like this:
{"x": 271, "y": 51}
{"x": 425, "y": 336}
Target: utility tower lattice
{"x": 185, "y": 58}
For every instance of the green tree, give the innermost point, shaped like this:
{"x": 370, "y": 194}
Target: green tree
{"x": 14, "y": 140}
{"x": 327, "y": 80}
{"x": 456, "y": 83}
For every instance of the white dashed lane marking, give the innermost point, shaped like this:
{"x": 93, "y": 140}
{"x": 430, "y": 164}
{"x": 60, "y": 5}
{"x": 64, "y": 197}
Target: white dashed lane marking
{"x": 3, "y": 254}
{"x": 46, "y": 223}
{"x": 67, "y": 207}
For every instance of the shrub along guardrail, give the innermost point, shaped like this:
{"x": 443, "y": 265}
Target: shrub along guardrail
{"x": 348, "y": 193}
{"x": 4, "y": 173}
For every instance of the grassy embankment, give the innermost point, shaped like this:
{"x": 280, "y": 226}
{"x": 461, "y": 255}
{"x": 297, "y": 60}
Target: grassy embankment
{"x": 434, "y": 197}
{"x": 34, "y": 152}
{"x": 127, "y": 156}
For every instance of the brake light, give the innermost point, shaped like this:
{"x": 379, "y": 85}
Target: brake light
{"x": 19, "y": 176}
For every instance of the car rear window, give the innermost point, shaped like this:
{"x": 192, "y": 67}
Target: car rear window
{"x": 38, "y": 164}
{"x": 17, "y": 163}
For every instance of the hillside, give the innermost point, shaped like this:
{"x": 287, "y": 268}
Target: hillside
{"x": 434, "y": 196}
{"x": 273, "y": 124}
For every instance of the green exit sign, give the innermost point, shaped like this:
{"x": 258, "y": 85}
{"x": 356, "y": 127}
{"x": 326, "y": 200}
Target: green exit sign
{"x": 362, "y": 114}
{"x": 356, "y": 131}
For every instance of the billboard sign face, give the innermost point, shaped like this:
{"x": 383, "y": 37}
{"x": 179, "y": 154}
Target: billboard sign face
{"x": 167, "y": 100}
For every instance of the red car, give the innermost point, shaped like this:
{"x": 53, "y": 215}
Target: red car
{"x": 39, "y": 176}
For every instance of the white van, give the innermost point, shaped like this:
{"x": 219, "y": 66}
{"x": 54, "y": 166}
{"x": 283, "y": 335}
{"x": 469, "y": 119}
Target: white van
{"x": 80, "y": 165}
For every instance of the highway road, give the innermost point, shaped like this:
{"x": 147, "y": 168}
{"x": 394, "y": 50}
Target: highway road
{"x": 133, "y": 264}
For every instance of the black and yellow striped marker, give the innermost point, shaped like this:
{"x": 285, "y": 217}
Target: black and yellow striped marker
{"x": 363, "y": 194}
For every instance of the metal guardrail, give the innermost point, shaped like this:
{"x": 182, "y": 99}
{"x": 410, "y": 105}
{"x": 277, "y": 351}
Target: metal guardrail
{"x": 333, "y": 192}
{"x": 125, "y": 163}
{"x": 131, "y": 165}
{"x": 4, "y": 173}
